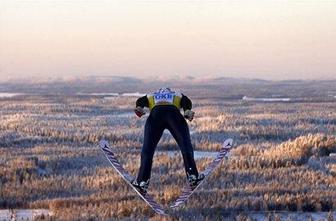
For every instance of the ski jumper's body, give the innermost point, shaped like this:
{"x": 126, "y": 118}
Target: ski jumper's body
{"x": 164, "y": 114}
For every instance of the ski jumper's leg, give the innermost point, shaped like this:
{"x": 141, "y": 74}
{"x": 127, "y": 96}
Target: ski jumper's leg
{"x": 153, "y": 133}
{"x": 178, "y": 127}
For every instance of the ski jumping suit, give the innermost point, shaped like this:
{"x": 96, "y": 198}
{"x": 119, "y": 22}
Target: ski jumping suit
{"x": 165, "y": 114}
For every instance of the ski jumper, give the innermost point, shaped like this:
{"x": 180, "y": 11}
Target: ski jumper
{"x": 165, "y": 114}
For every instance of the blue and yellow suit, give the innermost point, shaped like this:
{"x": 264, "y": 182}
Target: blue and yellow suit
{"x": 165, "y": 114}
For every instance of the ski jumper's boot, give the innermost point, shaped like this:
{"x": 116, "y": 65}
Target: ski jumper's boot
{"x": 141, "y": 186}
{"x": 195, "y": 180}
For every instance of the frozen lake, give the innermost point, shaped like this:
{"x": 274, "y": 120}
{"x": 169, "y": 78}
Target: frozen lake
{"x": 99, "y": 94}
{"x": 6, "y": 95}
{"x": 284, "y": 215}
{"x": 124, "y": 114}
{"x": 23, "y": 214}
{"x": 197, "y": 154}
{"x": 108, "y": 95}
{"x": 265, "y": 99}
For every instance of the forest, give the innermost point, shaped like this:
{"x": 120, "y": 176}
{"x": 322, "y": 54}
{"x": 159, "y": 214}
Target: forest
{"x": 284, "y": 156}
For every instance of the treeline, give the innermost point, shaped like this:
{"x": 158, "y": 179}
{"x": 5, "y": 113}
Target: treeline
{"x": 82, "y": 180}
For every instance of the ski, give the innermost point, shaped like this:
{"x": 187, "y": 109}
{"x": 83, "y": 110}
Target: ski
{"x": 187, "y": 191}
{"x": 104, "y": 145}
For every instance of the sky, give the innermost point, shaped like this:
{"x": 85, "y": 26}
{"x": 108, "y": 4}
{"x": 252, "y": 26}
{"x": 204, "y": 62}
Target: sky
{"x": 266, "y": 39}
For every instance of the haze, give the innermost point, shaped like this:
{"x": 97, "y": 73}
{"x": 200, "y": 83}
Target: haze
{"x": 285, "y": 39}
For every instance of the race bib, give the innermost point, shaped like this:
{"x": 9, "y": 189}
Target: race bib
{"x": 163, "y": 98}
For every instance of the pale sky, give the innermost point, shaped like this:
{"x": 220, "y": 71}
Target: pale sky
{"x": 283, "y": 39}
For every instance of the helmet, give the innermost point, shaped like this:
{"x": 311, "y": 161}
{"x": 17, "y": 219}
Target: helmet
{"x": 164, "y": 90}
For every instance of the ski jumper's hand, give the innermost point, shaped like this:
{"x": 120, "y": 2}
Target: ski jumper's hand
{"x": 189, "y": 114}
{"x": 139, "y": 111}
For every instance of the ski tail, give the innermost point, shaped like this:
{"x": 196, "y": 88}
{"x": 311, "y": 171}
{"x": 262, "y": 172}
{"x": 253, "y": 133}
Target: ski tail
{"x": 187, "y": 191}
{"x": 105, "y": 147}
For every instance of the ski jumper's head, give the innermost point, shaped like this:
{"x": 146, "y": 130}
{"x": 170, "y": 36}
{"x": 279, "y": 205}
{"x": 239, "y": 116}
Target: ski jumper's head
{"x": 164, "y": 90}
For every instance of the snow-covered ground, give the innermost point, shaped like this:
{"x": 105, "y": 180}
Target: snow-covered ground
{"x": 23, "y": 214}
{"x": 28, "y": 215}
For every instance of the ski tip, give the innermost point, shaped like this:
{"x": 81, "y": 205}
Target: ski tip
{"x": 228, "y": 143}
{"x": 103, "y": 144}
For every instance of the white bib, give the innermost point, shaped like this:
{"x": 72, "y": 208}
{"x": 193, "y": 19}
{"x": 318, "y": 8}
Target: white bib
{"x": 167, "y": 97}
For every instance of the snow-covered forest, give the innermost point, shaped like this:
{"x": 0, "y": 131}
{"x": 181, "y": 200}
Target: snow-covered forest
{"x": 283, "y": 159}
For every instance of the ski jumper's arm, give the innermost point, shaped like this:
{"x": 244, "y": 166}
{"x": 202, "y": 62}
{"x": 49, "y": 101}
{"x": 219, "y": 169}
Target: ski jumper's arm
{"x": 186, "y": 104}
{"x": 140, "y": 104}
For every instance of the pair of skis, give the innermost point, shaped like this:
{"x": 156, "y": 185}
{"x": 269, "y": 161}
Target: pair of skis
{"x": 187, "y": 191}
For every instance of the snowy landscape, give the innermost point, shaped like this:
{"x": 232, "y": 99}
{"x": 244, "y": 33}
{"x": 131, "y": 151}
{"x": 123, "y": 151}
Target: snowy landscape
{"x": 282, "y": 167}
{"x": 261, "y": 76}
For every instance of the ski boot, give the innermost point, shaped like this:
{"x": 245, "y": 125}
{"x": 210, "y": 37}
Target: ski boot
{"x": 194, "y": 180}
{"x": 141, "y": 186}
